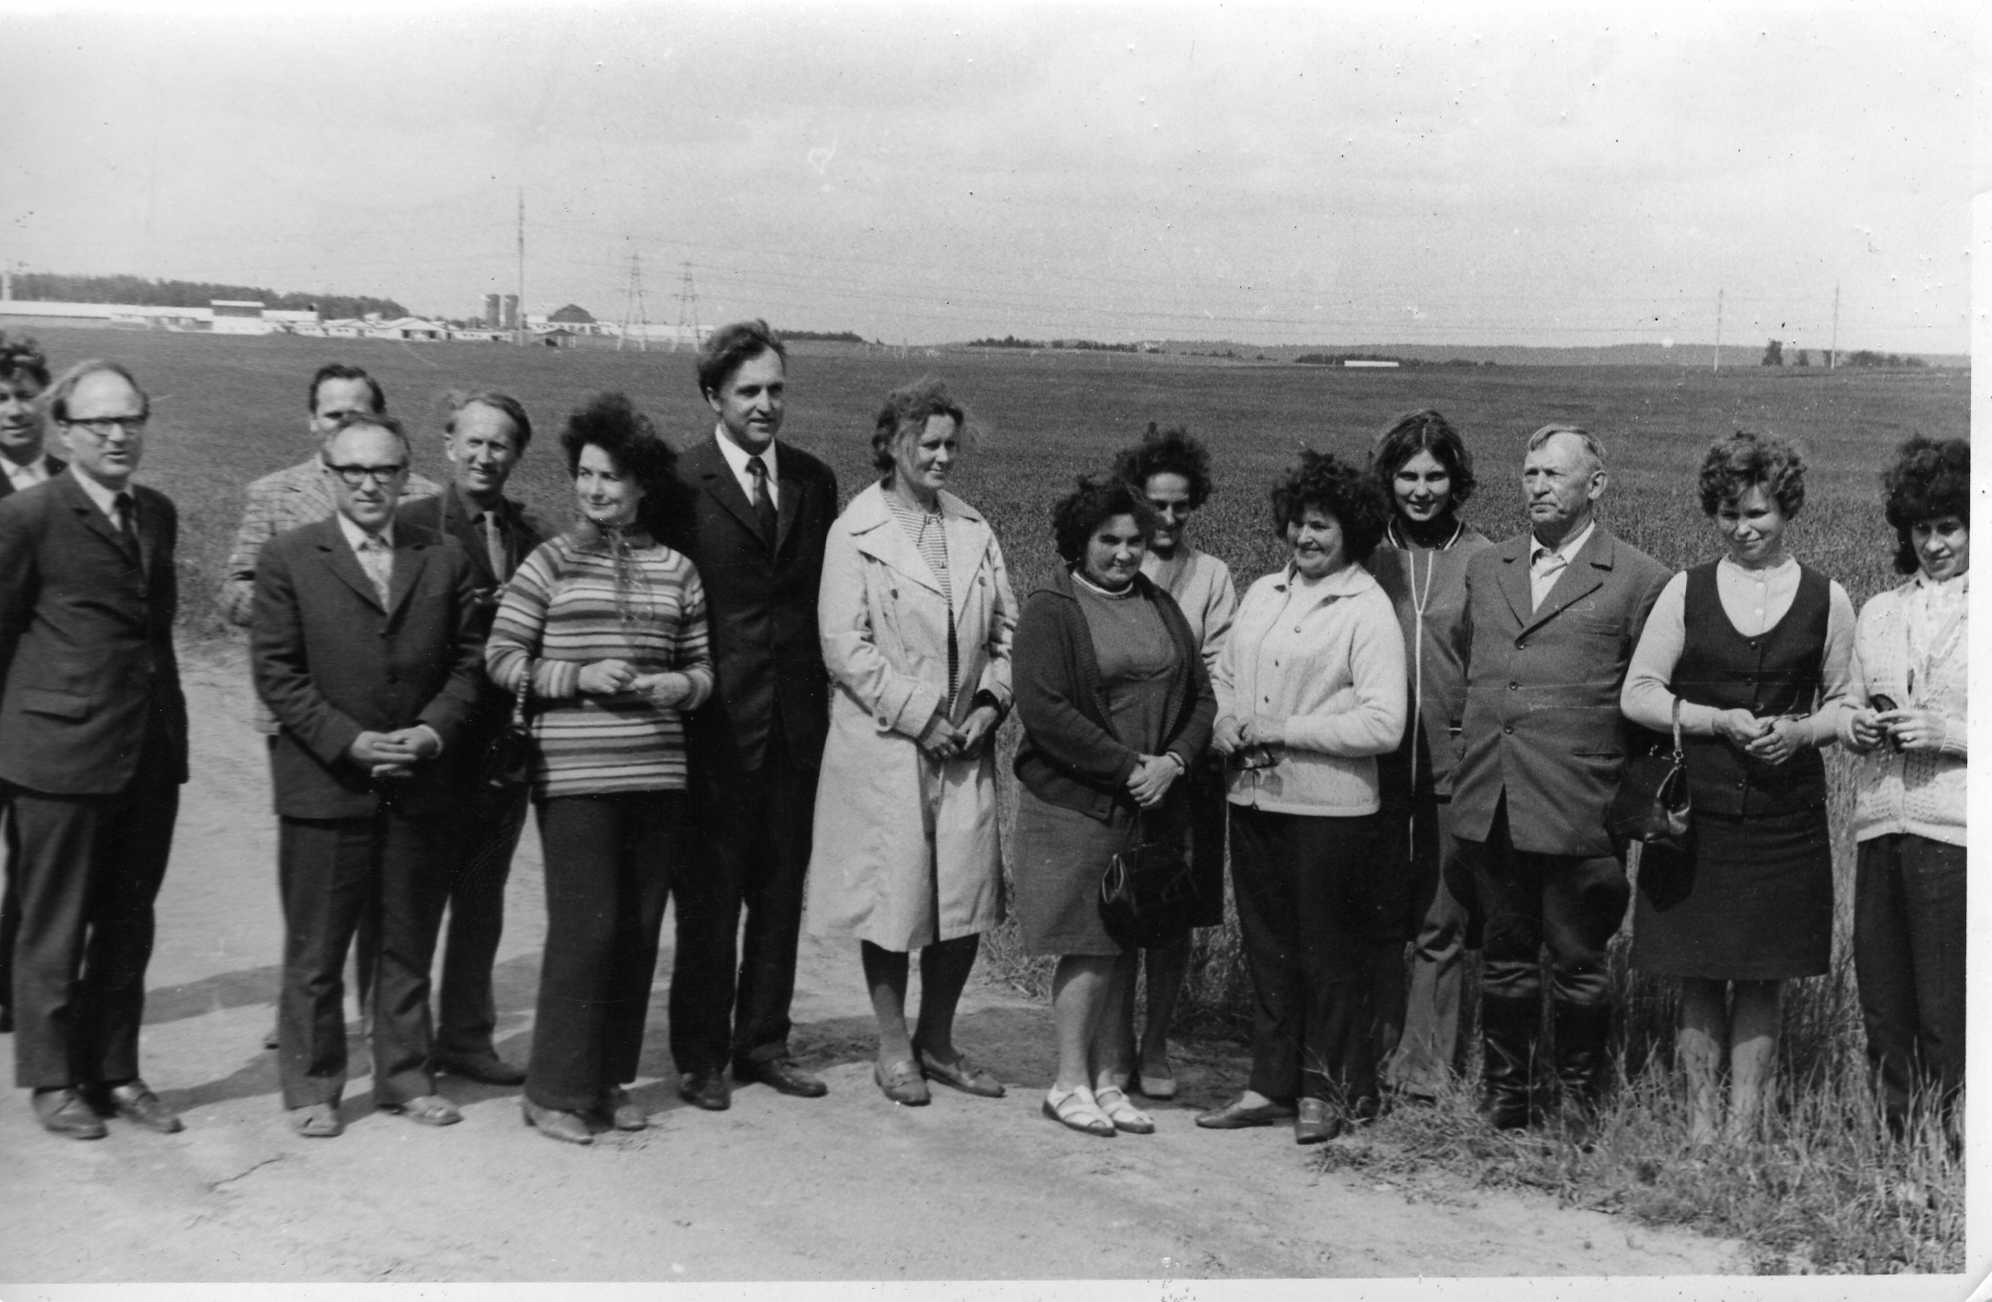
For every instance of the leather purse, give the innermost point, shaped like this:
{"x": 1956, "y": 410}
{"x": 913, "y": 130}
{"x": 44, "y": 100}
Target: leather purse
{"x": 1652, "y": 805}
{"x": 507, "y": 762}
{"x": 1147, "y": 893}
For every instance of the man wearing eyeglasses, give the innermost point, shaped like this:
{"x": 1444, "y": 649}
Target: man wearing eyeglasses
{"x": 299, "y": 495}
{"x": 363, "y": 642}
{"x": 93, "y": 747}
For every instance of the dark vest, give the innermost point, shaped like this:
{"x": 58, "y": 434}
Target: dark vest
{"x": 1774, "y": 673}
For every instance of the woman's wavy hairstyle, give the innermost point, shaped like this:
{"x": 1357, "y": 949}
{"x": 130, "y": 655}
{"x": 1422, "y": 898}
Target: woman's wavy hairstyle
{"x": 1423, "y": 431}
{"x": 1327, "y": 483}
{"x": 1093, "y": 501}
{"x": 609, "y": 421}
{"x": 1171, "y": 451}
{"x": 1931, "y": 478}
{"x": 1747, "y": 460}
{"x": 907, "y": 410}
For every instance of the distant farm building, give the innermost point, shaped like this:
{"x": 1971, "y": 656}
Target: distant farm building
{"x": 571, "y": 315}
{"x": 233, "y": 316}
{"x": 1365, "y": 363}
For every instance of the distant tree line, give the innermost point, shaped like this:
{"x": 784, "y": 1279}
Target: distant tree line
{"x": 825, "y": 336}
{"x": 1079, "y": 345}
{"x": 141, "y": 292}
{"x": 1774, "y": 356}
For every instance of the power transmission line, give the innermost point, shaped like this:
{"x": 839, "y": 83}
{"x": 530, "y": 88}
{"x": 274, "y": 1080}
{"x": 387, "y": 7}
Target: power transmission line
{"x": 688, "y": 312}
{"x": 634, "y": 313}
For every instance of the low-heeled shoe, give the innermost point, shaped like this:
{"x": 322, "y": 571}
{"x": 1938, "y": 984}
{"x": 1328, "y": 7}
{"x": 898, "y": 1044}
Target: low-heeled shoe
{"x": 567, "y": 1127}
{"x": 136, "y": 1103}
{"x": 902, "y": 1083}
{"x": 706, "y": 1089}
{"x": 962, "y": 1074}
{"x": 783, "y": 1076}
{"x": 485, "y": 1069}
{"x": 425, "y": 1109}
{"x": 317, "y": 1121}
{"x": 67, "y": 1113}
{"x": 1315, "y": 1123}
{"x": 1239, "y": 1115}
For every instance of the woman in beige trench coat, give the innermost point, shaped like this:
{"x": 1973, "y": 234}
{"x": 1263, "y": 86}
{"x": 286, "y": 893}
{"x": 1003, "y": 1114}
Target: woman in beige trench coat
{"x": 916, "y": 615}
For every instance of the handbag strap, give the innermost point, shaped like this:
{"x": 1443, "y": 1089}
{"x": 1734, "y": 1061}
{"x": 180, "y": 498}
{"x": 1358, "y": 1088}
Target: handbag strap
{"x": 1680, "y": 755}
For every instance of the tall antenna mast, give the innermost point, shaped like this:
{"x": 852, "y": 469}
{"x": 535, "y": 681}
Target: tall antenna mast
{"x": 635, "y": 316}
{"x": 519, "y": 331}
{"x": 688, "y": 313}
{"x": 1833, "y": 354}
{"x": 1718, "y": 332}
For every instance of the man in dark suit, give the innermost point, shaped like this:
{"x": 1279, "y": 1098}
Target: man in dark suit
{"x": 753, "y": 518}
{"x": 25, "y": 460}
{"x": 93, "y": 747}
{"x": 1554, "y": 616}
{"x": 485, "y": 434}
{"x": 364, "y": 646}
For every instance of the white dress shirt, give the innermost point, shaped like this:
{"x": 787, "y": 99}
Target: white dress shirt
{"x": 27, "y": 476}
{"x": 736, "y": 461}
{"x": 1543, "y": 572}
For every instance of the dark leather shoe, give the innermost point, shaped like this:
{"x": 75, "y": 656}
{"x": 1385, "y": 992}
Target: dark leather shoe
{"x": 1238, "y": 1114}
{"x": 622, "y": 1112}
{"x": 706, "y": 1089}
{"x": 1316, "y": 1123}
{"x": 67, "y": 1113}
{"x": 6, "y": 1020}
{"x": 567, "y": 1127}
{"x": 136, "y": 1103}
{"x": 783, "y": 1076}
{"x": 485, "y": 1068}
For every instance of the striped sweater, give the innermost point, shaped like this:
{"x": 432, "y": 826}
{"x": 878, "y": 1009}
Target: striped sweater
{"x": 559, "y": 613}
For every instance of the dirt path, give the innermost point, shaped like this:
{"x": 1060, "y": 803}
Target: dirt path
{"x": 846, "y": 1187}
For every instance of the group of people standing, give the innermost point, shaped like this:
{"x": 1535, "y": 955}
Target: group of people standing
{"x": 740, "y": 698}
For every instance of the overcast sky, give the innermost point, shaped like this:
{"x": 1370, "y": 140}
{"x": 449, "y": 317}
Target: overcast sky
{"x": 1586, "y": 174}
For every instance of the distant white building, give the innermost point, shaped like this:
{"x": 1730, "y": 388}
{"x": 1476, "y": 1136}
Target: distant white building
{"x": 1367, "y": 364}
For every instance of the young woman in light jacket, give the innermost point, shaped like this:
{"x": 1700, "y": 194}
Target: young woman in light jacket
{"x": 1310, "y": 689}
{"x": 916, "y": 615}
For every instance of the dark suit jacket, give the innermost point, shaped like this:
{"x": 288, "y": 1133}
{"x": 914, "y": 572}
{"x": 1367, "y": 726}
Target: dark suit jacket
{"x": 86, "y": 641}
{"x": 331, "y": 664}
{"x": 56, "y": 465}
{"x": 761, "y": 607}
{"x": 1542, "y": 719}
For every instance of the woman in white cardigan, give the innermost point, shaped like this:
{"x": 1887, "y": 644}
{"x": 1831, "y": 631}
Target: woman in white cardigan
{"x": 1906, "y": 713}
{"x": 916, "y": 615}
{"x": 1310, "y": 690}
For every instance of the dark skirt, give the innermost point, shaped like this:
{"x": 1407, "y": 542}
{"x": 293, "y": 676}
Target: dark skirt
{"x": 1204, "y": 795}
{"x": 1749, "y": 900}
{"x": 1060, "y": 857}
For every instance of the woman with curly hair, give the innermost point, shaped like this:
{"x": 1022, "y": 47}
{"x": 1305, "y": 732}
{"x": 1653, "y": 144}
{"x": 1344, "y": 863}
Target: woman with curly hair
{"x": 607, "y": 627}
{"x": 1310, "y": 690}
{"x": 1116, "y": 708}
{"x": 1749, "y": 652}
{"x": 1906, "y": 715}
{"x": 916, "y": 615}
{"x": 1422, "y": 465}
{"x": 1171, "y": 471}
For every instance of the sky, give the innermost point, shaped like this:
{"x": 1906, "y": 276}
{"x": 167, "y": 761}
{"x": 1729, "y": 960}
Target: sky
{"x": 1277, "y": 174}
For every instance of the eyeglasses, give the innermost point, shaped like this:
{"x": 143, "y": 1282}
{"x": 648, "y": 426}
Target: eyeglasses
{"x": 354, "y": 476}
{"x": 104, "y": 426}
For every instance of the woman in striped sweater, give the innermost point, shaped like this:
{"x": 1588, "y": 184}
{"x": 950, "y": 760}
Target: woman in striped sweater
{"x": 610, "y": 624}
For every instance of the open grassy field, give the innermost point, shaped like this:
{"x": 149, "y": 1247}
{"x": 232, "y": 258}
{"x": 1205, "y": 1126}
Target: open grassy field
{"x": 1824, "y": 1194}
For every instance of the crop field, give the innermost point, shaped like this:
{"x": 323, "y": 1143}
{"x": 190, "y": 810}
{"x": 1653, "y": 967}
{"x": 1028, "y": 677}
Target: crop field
{"x": 1825, "y": 1194}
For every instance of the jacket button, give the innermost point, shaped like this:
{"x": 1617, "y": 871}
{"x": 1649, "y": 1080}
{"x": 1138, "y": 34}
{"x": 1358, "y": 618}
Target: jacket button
{"x": 1508, "y": 729}
{"x": 1521, "y": 645}
{"x": 1514, "y": 687}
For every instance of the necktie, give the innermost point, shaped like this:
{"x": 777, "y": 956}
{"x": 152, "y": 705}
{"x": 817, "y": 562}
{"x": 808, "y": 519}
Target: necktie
{"x": 494, "y": 546}
{"x": 1544, "y": 566}
{"x": 378, "y": 562}
{"x": 764, "y": 503}
{"x": 128, "y": 523}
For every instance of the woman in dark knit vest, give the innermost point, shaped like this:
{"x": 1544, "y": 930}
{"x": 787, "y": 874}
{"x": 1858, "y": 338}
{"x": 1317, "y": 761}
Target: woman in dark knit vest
{"x": 1754, "y": 649}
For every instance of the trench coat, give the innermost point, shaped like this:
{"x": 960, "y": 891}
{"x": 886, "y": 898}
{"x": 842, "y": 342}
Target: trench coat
{"x": 905, "y": 850}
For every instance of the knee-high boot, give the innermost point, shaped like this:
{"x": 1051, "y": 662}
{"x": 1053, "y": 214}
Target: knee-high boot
{"x": 1583, "y": 1036}
{"x": 1507, "y": 1034}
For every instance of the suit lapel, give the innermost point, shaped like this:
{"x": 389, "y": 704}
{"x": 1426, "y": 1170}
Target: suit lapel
{"x": 93, "y": 520}
{"x": 878, "y": 535}
{"x": 1515, "y": 579}
{"x": 338, "y": 556}
{"x": 1584, "y": 575}
{"x": 725, "y": 489}
{"x": 788, "y": 502}
{"x": 411, "y": 555}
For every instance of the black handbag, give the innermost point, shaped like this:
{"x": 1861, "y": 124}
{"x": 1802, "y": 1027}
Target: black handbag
{"x": 1652, "y": 804}
{"x": 507, "y": 762}
{"x": 1148, "y": 893}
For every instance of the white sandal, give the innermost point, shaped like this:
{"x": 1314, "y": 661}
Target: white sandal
{"x": 1076, "y": 1110}
{"x": 1114, "y": 1102}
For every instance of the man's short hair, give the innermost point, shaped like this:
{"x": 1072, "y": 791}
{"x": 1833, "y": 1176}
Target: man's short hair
{"x": 513, "y": 409}
{"x": 21, "y": 357}
{"x": 378, "y": 420}
{"x": 341, "y": 371}
{"x": 726, "y": 348}
{"x": 1592, "y": 448}
{"x": 65, "y": 384}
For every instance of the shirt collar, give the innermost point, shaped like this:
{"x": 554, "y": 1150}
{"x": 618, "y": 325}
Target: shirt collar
{"x": 1569, "y": 547}
{"x": 1945, "y": 588}
{"x": 356, "y": 536}
{"x": 38, "y": 468}
{"x": 736, "y": 456}
{"x": 1345, "y": 582}
{"x": 105, "y": 498}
